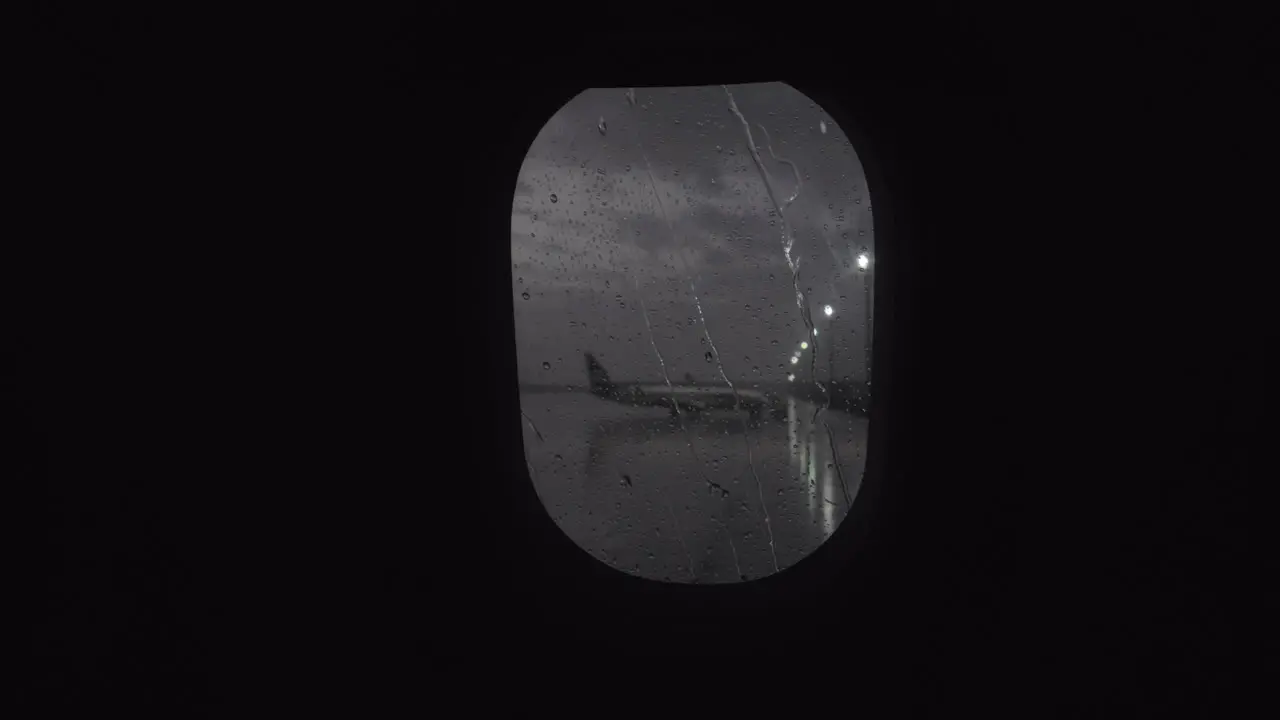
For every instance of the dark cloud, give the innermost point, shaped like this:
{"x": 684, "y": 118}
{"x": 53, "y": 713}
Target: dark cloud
{"x": 648, "y": 232}
{"x": 727, "y": 235}
{"x": 717, "y": 258}
{"x": 666, "y": 205}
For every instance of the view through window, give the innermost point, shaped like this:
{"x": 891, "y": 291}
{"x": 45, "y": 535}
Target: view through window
{"x": 692, "y": 280}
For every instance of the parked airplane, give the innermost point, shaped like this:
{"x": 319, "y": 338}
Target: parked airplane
{"x": 688, "y": 396}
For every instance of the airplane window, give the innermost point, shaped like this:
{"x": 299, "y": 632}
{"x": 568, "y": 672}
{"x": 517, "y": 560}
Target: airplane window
{"x": 675, "y": 253}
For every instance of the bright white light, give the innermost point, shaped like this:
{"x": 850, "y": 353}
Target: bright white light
{"x": 794, "y": 359}
{"x": 864, "y": 261}
{"x": 827, "y": 309}
{"x": 790, "y": 377}
{"x": 815, "y": 332}
{"x": 804, "y": 345}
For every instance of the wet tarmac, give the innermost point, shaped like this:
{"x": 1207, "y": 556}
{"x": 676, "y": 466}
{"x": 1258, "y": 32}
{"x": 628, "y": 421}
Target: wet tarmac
{"x": 712, "y": 499}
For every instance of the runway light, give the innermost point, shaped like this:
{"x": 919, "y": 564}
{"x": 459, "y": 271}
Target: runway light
{"x": 864, "y": 261}
{"x": 794, "y": 359}
{"x": 804, "y": 345}
{"x": 815, "y": 332}
{"x": 827, "y": 309}
{"x": 790, "y": 377}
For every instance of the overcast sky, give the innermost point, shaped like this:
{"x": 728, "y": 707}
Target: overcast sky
{"x": 593, "y": 234}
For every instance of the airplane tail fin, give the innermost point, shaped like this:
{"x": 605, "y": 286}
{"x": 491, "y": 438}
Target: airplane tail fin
{"x": 597, "y": 376}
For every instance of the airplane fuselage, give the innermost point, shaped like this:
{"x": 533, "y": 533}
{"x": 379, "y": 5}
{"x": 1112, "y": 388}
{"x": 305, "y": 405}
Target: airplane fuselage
{"x": 685, "y": 397}
{"x": 693, "y": 398}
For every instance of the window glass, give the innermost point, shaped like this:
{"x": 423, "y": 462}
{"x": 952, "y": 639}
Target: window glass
{"x": 692, "y": 275}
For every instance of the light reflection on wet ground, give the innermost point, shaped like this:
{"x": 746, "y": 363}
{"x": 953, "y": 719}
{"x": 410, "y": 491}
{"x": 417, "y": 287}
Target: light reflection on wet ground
{"x": 625, "y": 485}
